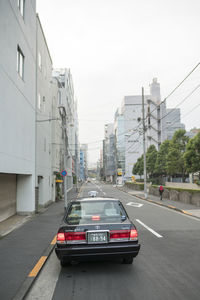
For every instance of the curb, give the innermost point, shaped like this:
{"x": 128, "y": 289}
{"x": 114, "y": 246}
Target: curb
{"x": 31, "y": 277}
{"x": 161, "y": 204}
{"x": 28, "y": 282}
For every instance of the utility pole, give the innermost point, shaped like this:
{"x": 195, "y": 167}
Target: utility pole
{"x": 144, "y": 147}
{"x": 62, "y": 112}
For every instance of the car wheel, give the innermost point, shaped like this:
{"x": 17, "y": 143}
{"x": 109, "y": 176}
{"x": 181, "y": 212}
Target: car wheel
{"x": 128, "y": 260}
{"x": 64, "y": 263}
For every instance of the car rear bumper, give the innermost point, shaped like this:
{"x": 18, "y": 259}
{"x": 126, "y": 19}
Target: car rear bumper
{"x": 97, "y": 251}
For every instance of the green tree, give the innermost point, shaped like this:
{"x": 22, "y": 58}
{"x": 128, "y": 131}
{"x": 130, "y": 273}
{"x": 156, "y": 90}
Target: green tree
{"x": 175, "y": 158}
{"x": 192, "y": 154}
{"x": 151, "y": 157}
{"x": 161, "y": 160}
{"x": 138, "y": 168}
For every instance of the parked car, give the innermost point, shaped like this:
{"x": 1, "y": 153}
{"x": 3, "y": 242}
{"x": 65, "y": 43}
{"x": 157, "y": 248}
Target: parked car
{"x": 95, "y": 228}
{"x": 92, "y": 193}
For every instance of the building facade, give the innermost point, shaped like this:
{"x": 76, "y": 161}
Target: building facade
{"x": 84, "y": 161}
{"x": 119, "y": 144}
{"x": 110, "y": 152}
{"x": 173, "y": 122}
{"x": 31, "y": 126}
{"x": 17, "y": 107}
{"x": 132, "y": 112}
{"x": 43, "y": 121}
{"x": 67, "y": 102}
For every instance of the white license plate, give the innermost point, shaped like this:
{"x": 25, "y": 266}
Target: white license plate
{"x": 97, "y": 237}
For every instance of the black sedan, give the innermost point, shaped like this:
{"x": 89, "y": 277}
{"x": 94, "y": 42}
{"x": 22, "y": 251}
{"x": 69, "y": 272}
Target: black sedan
{"x": 96, "y": 228}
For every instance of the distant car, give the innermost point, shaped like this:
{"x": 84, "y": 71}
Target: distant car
{"x": 95, "y": 228}
{"x": 92, "y": 193}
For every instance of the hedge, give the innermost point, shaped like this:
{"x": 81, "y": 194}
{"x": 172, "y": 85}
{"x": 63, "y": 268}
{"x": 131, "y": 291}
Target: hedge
{"x": 177, "y": 189}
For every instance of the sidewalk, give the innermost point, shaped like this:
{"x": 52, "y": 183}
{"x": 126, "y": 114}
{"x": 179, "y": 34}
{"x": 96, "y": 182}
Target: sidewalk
{"x": 185, "y": 208}
{"x": 30, "y": 241}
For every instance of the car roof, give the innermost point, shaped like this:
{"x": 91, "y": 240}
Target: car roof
{"x": 95, "y": 199}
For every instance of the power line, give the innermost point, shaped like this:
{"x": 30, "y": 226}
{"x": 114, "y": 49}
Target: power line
{"x": 178, "y": 85}
{"x": 181, "y": 102}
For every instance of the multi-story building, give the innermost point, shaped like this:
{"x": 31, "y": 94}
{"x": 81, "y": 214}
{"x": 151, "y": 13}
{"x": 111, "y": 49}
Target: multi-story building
{"x": 120, "y": 144}
{"x": 173, "y": 122}
{"x": 155, "y": 118}
{"x": 67, "y": 102}
{"x": 76, "y": 145}
{"x": 56, "y": 139}
{"x": 132, "y": 113}
{"x": 43, "y": 120}
{"x": 17, "y": 107}
{"x": 84, "y": 161}
{"x": 162, "y": 122}
{"x": 31, "y": 127}
{"x": 82, "y": 165}
{"x": 110, "y": 169}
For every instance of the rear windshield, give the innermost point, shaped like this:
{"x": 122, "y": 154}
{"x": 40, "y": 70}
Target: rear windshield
{"x": 93, "y": 212}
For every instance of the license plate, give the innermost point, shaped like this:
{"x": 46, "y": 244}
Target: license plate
{"x": 97, "y": 237}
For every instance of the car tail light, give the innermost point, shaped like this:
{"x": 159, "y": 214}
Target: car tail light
{"x": 75, "y": 236}
{"x": 133, "y": 235}
{"x": 60, "y": 237}
{"x": 96, "y": 218}
{"x": 123, "y": 235}
{"x": 119, "y": 234}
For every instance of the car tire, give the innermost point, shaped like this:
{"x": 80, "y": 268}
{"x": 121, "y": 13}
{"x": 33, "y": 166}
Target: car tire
{"x": 64, "y": 263}
{"x": 128, "y": 260}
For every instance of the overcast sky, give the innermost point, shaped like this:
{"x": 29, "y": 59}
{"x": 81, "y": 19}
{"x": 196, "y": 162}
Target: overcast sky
{"x": 114, "y": 47}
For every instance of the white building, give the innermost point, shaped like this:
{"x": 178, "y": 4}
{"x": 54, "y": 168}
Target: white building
{"x": 66, "y": 100}
{"x": 17, "y": 107}
{"x": 120, "y": 142}
{"x": 47, "y": 109}
{"x": 110, "y": 169}
{"x": 84, "y": 157}
{"x": 132, "y": 112}
{"x": 56, "y": 140}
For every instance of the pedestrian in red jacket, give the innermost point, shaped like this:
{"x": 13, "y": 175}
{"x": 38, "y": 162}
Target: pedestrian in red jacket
{"x": 161, "y": 190}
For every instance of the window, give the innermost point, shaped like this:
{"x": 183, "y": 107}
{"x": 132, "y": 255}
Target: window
{"x": 20, "y": 62}
{"x": 39, "y": 101}
{"x": 59, "y": 98}
{"x": 85, "y": 212}
{"x": 43, "y": 99}
{"x": 21, "y": 6}
{"x": 39, "y": 61}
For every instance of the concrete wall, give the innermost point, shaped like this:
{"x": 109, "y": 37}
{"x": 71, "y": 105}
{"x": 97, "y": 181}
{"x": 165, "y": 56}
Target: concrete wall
{"x": 182, "y": 196}
{"x": 183, "y": 185}
{"x": 17, "y": 96}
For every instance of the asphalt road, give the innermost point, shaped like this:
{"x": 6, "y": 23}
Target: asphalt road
{"x": 167, "y": 267}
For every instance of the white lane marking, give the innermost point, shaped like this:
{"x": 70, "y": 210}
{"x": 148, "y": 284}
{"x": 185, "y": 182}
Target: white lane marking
{"x": 134, "y": 204}
{"x": 148, "y": 228}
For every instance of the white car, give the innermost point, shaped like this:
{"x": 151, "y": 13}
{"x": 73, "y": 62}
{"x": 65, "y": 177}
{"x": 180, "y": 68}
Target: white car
{"x": 93, "y": 193}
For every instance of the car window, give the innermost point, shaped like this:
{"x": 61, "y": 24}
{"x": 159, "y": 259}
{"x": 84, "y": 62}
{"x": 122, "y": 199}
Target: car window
{"x": 93, "y": 212}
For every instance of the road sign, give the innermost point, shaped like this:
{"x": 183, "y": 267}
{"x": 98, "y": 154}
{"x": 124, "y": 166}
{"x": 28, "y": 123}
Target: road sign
{"x": 63, "y": 173}
{"x": 134, "y": 204}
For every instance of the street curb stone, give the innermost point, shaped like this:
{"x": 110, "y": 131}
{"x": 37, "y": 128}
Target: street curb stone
{"x": 28, "y": 282}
